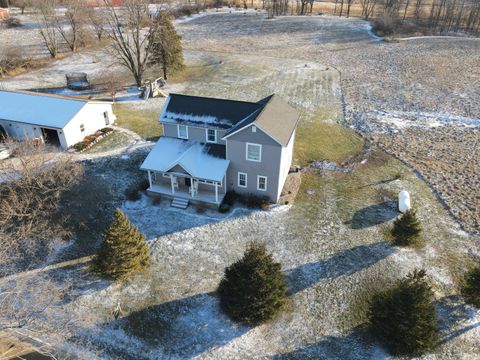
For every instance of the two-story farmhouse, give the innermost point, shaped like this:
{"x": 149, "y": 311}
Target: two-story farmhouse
{"x": 211, "y": 146}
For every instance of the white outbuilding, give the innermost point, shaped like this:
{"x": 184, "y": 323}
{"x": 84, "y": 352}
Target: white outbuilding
{"x": 404, "y": 201}
{"x": 58, "y": 120}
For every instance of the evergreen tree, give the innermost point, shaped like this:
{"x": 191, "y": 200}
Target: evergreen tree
{"x": 253, "y": 289}
{"x": 406, "y": 229}
{"x": 124, "y": 250}
{"x": 403, "y": 317}
{"x": 471, "y": 288}
{"x": 166, "y": 45}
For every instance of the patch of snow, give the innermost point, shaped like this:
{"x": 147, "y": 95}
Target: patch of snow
{"x": 138, "y": 204}
{"x": 168, "y": 116}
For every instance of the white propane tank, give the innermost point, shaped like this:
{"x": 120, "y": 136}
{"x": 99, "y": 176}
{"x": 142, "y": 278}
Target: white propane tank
{"x": 404, "y": 201}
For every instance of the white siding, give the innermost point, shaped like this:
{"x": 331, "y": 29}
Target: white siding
{"x": 285, "y": 163}
{"x": 91, "y": 116}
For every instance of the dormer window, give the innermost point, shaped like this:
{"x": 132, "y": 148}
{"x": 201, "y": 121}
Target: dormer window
{"x": 211, "y": 135}
{"x": 182, "y": 131}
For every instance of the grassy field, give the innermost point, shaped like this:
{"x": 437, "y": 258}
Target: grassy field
{"x": 143, "y": 122}
{"x": 116, "y": 140}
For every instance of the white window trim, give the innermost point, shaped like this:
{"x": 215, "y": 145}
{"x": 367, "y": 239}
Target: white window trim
{"x": 206, "y": 136}
{"x": 178, "y": 131}
{"x": 258, "y": 182}
{"x": 238, "y": 179}
{"x": 259, "y": 153}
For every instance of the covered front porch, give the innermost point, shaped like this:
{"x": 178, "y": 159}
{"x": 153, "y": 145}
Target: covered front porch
{"x": 189, "y": 170}
{"x": 177, "y": 185}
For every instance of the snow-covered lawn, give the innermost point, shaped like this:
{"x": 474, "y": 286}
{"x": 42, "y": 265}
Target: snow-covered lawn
{"x": 333, "y": 251}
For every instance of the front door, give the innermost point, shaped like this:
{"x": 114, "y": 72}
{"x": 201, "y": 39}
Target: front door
{"x": 188, "y": 182}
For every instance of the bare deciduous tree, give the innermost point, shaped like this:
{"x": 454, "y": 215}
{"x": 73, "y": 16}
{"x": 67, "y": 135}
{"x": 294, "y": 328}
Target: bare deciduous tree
{"x": 31, "y": 186}
{"x": 48, "y": 28}
{"x": 113, "y": 84}
{"x": 131, "y": 29}
{"x": 70, "y": 26}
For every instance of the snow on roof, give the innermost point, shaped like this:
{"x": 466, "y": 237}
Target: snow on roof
{"x": 38, "y": 109}
{"x": 192, "y": 156}
{"x": 205, "y": 111}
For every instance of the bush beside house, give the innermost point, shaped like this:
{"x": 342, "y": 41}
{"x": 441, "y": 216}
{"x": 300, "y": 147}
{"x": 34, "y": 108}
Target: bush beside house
{"x": 124, "y": 250}
{"x": 253, "y": 289}
{"x": 90, "y": 140}
{"x": 471, "y": 287}
{"x": 403, "y": 317}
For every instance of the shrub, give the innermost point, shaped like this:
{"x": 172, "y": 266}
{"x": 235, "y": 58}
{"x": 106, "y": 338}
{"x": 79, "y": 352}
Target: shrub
{"x": 253, "y": 289}
{"x": 80, "y": 146}
{"x": 255, "y": 202}
{"x": 13, "y": 22}
{"x": 471, "y": 287}
{"x": 224, "y": 208}
{"x": 132, "y": 194}
{"x": 124, "y": 250}
{"x": 403, "y": 317}
{"x": 88, "y": 139}
{"x": 387, "y": 23}
{"x": 406, "y": 229}
{"x": 230, "y": 198}
{"x": 12, "y": 59}
{"x": 106, "y": 130}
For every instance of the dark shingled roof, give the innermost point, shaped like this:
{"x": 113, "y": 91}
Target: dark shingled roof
{"x": 271, "y": 114}
{"x": 229, "y": 112}
{"x": 217, "y": 150}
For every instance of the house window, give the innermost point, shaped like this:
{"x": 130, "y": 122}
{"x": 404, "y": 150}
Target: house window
{"x": 211, "y": 135}
{"x": 182, "y": 131}
{"x": 254, "y": 152}
{"x": 82, "y": 127}
{"x": 261, "y": 183}
{"x": 105, "y": 116}
{"x": 254, "y": 129}
{"x": 242, "y": 179}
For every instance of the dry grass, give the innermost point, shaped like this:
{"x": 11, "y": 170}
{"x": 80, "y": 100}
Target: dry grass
{"x": 144, "y": 123}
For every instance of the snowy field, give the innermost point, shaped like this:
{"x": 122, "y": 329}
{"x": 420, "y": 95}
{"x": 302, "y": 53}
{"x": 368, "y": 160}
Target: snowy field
{"x": 332, "y": 248}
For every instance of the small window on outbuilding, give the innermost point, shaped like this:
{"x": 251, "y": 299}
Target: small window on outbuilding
{"x": 82, "y": 127}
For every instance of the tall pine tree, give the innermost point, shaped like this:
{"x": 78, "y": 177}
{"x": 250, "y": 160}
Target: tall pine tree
{"x": 124, "y": 250}
{"x": 253, "y": 289}
{"x": 406, "y": 229}
{"x": 403, "y": 317}
{"x": 166, "y": 46}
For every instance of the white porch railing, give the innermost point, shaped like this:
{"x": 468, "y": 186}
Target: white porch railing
{"x": 191, "y": 192}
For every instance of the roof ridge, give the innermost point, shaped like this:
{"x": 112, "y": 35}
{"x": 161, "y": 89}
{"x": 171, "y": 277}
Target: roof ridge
{"x": 215, "y": 98}
{"x": 36, "y": 93}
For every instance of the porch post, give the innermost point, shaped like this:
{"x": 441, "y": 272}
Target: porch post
{"x": 173, "y": 186}
{"x": 150, "y": 178}
{"x": 216, "y": 193}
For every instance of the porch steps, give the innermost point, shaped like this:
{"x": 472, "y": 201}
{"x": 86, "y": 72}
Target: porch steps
{"x": 179, "y": 203}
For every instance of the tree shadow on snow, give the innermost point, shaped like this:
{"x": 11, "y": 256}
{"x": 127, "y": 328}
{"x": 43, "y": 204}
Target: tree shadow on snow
{"x": 453, "y": 312}
{"x": 343, "y": 263}
{"x": 356, "y": 345}
{"x": 374, "y": 215}
{"x": 181, "y": 328}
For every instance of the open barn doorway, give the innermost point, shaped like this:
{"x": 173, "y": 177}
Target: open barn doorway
{"x": 50, "y": 136}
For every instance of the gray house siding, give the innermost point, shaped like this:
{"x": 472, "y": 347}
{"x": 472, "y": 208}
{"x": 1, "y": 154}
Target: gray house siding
{"x": 194, "y": 133}
{"x": 269, "y": 166}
